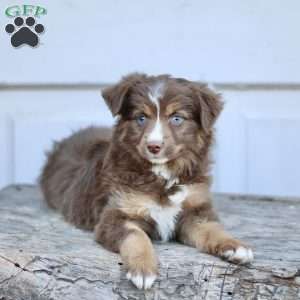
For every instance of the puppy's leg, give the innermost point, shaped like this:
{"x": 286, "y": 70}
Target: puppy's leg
{"x": 119, "y": 234}
{"x": 199, "y": 227}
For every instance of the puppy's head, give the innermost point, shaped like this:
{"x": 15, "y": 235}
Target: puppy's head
{"x": 162, "y": 118}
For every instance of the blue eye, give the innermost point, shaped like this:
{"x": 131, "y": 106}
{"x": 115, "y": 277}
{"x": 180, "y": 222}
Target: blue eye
{"x": 176, "y": 120}
{"x": 141, "y": 120}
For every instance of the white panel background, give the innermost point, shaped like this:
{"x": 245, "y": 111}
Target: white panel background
{"x": 255, "y": 127}
{"x": 275, "y": 156}
{"x": 216, "y": 41}
{"x": 47, "y": 92}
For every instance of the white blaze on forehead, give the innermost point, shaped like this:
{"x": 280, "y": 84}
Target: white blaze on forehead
{"x": 155, "y": 92}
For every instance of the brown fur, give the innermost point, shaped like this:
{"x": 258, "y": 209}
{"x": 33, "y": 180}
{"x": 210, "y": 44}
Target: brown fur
{"x": 103, "y": 180}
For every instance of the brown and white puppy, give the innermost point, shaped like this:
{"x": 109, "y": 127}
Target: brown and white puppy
{"x": 146, "y": 179}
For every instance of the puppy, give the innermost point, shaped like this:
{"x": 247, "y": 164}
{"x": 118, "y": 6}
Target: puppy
{"x": 148, "y": 178}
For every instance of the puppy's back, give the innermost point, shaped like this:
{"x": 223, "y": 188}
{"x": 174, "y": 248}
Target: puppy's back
{"x": 71, "y": 166}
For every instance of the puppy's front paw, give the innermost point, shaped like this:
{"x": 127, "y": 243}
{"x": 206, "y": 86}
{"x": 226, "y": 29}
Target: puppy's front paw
{"x": 142, "y": 270}
{"x": 141, "y": 280}
{"x": 234, "y": 251}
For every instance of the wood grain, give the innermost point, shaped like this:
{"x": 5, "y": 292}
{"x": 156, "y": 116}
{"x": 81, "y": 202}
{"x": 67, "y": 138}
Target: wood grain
{"x": 43, "y": 257}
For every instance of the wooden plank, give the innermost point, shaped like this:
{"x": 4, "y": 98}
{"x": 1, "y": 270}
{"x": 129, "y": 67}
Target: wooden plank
{"x": 43, "y": 257}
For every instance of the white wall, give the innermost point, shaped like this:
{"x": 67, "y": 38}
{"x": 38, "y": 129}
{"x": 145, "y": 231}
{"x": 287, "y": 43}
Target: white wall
{"x": 248, "y": 49}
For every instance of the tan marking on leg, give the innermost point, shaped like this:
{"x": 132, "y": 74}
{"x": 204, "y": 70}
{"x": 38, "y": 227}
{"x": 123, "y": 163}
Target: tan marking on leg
{"x": 213, "y": 239}
{"x": 139, "y": 257}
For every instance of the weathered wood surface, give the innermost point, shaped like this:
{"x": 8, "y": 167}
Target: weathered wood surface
{"x": 43, "y": 257}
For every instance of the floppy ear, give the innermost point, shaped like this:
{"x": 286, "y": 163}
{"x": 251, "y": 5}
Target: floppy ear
{"x": 210, "y": 105}
{"x": 115, "y": 95}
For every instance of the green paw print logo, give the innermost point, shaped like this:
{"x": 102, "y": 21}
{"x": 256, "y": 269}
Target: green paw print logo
{"x": 25, "y": 30}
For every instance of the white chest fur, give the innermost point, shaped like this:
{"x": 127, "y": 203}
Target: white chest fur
{"x": 165, "y": 219}
{"x": 166, "y": 216}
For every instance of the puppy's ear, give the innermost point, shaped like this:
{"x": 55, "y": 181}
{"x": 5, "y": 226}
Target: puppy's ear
{"x": 210, "y": 105}
{"x": 115, "y": 95}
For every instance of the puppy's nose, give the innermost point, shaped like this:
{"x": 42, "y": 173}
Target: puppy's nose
{"x": 154, "y": 147}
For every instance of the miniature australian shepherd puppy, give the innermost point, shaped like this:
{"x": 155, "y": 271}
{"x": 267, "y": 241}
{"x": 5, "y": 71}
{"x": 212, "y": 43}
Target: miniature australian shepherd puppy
{"x": 148, "y": 178}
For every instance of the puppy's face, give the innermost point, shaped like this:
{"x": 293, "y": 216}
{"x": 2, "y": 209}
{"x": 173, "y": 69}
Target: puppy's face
{"x": 162, "y": 118}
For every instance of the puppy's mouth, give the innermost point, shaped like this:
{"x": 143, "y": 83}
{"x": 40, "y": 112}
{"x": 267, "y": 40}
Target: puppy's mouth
{"x": 158, "y": 160}
{"x": 162, "y": 157}
{"x": 155, "y": 158}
